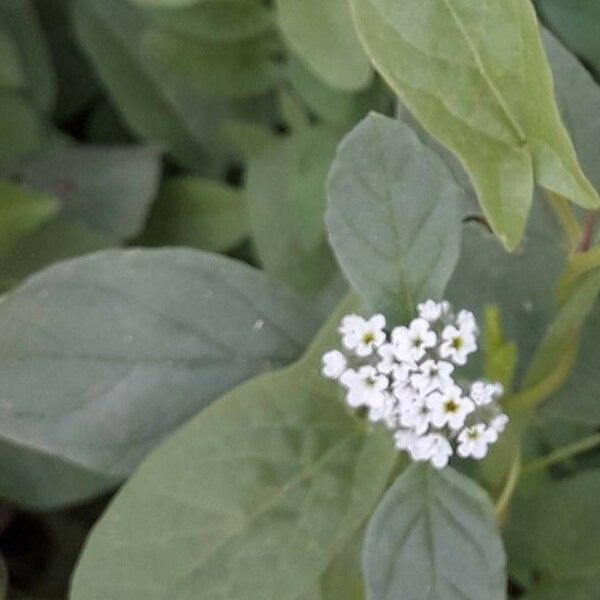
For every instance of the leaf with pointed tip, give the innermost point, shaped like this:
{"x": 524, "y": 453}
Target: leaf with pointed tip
{"x": 393, "y": 216}
{"x": 433, "y": 536}
{"x": 103, "y": 356}
{"x": 475, "y": 74}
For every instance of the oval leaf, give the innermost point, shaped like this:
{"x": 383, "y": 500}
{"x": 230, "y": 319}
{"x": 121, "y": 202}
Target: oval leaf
{"x": 393, "y": 216}
{"x": 249, "y": 500}
{"x": 433, "y": 536}
{"x": 476, "y": 75}
{"x": 102, "y": 356}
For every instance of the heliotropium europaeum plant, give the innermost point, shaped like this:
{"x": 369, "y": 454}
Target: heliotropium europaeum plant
{"x": 349, "y": 348}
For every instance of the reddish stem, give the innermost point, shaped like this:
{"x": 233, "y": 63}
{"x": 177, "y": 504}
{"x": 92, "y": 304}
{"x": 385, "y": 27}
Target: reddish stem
{"x": 588, "y": 231}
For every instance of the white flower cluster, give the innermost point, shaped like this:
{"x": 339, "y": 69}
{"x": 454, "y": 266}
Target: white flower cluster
{"x": 404, "y": 379}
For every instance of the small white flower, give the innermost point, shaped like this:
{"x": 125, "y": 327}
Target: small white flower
{"x": 334, "y": 364}
{"x": 499, "y": 423}
{"x": 415, "y": 414}
{"x": 449, "y": 407}
{"x": 362, "y": 336}
{"x": 413, "y": 341}
{"x": 405, "y": 439}
{"x": 474, "y": 441}
{"x": 434, "y": 448}
{"x": 457, "y": 345}
{"x": 484, "y": 393}
{"x": 365, "y": 386}
{"x": 432, "y": 375}
{"x": 389, "y": 363}
{"x": 404, "y": 390}
{"x": 430, "y": 311}
{"x": 467, "y": 323}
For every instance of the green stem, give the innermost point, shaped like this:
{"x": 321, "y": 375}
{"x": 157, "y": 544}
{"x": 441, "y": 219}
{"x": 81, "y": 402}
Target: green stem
{"x": 561, "y": 454}
{"x": 509, "y": 488}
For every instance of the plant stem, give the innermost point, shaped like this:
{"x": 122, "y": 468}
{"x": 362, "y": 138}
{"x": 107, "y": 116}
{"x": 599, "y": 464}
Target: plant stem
{"x": 561, "y": 454}
{"x": 588, "y": 231}
{"x": 509, "y": 488}
{"x": 565, "y": 216}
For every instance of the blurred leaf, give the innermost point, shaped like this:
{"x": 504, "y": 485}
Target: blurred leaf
{"x": 11, "y": 70}
{"x": 76, "y": 81}
{"x": 92, "y": 349}
{"x": 220, "y": 20}
{"x": 285, "y": 189}
{"x": 393, "y": 217}
{"x": 170, "y": 4}
{"x": 520, "y": 284}
{"x": 21, "y": 212}
{"x": 155, "y": 103}
{"x": 3, "y": 580}
{"x": 322, "y": 35}
{"x": 108, "y": 189}
{"x": 21, "y": 127}
{"x": 20, "y": 19}
{"x": 500, "y": 355}
{"x": 558, "y": 524}
{"x": 56, "y": 240}
{"x": 335, "y": 106}
{"x": 578, "y": 97}
{"x": 234, "y": 69}
{"x": 576, "y": 22}
{"x": 476, "y": 75}
{"x": 195, "y": 212}
{"x": 433, "y": 536}
{"x": 584, "y": 588}
{"x": 343, "y": 579}
{"x": 274, "y": 478}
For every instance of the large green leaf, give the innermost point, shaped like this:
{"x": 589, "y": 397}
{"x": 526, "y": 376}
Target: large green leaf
{"x": 157, "y": 104}
{"x": 393, "y": 216}
{"x": 285, "y": 189}
{"x": 21, "y": 128}
{"x": 199, "y": 213}
{"x": 557, "y": 525}
{"x": 476, "y": 76}
{"x": 19, "y": 18}
{"x": 576, "y": 22}
{"x": 433, "y": 536}
{"x": 21, "y": 212}
{"x": 110, "y": 189}
{"x": 102, "y": 356}
{"x": 252, "y": 498}
{"x": 323, "y": 36}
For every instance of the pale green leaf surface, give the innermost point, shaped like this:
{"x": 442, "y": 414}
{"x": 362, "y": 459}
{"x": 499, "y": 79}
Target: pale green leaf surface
{"x": 433, "y": 536}
{"x": 199, "y": 213}
{"x": 22, "y": 212}
{"x": 251, "y": 499}
{"x": 476, "y": 76}
{"x": 109, "y": 189}
{"x": 322, "y": 35}
{"x": 393, "y": 216}
{"x": 101, "y": 357}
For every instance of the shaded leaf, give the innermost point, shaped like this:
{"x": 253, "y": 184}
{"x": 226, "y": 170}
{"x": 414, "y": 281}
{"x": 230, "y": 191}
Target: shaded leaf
{"x": 393, "y": 216}
{"x": 433, "y": 536}
{"x": 21, "y": 127}
{"x": 476, "y": 76}
{"x": 322, "y": 35}
{"x": 252, "y": 498}
{"x": 199, "y": 213}
{"x": 102, "y": 356}
{"x": 107, "y": 189}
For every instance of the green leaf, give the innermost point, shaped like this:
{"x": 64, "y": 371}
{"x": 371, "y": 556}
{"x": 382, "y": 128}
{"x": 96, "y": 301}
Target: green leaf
{"x": 576, "y": 23}
{"x": 476, "y": 76}
{"x": 322, "y": 35}
{"x": 20, "y": 18}
{"x": 109, "y": 189}
{"x": 11, "y": 70}
{"x": 285, "y": 189}
{"x": 393, "y": 217}
{"x": 102, "y": 356}
{"x": 343, "y": 580}
{"x": 234, "y": 69}
{"x": 561, "y": 534}
{"x": 154, "y": 102}
{"x": 584, "y": 588}
{"x": 433, "y": 536}
{"x": 199, "y": 213}
{"x": 21, "y": 127}
{"x": 21, "y": 212}
{"x": 252, "y": 498}
{"x": 500, "y": 355}
{"x": 169, "y": 4}
{"x": 56, "y": 240}
{"x": 578, "y": 97}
